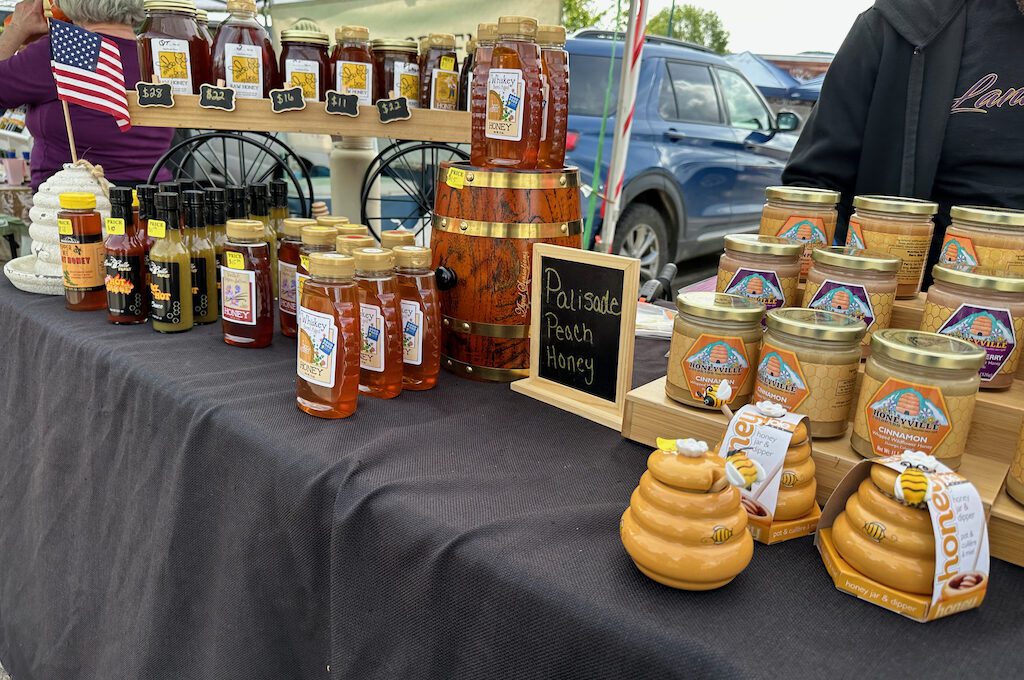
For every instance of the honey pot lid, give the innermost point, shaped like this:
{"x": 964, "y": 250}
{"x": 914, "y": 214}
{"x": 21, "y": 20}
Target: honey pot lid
{"x": 685, "y": 464}
{"x": 980, "y": 277}
{"x": 352, "y": 33}
{"x": 295, "y": 35}
{"x": 412, "y": 257}
{"x": 817, "y": 324}
{"x": 517, "y": 27}
{"x": 317, "y": 235}
{"x": 929, "y": 350}
{"x": 756, "y": 244}
{"x": 170, "y": 5}
{"x": 856, "y": 258}
{"x": 802, "y": 195}
{"x": 247, "y": 229}
{"x": 77, "y": 200}
{"x": 997, "y": 218}
{"x": 486, "y": 32}
{"x": 393, "y": 44}
{"x": 331, "y": 265}
{"x": 397, "y": 237}
{"x": 292, "y": 226}
{"x": 719, "y": 306}
{"x": 332, "y": 220}
{"x": 442, "y": 40}
{"x": 897, "y": 205}
{"x": 352, "y": 230}
{"x": 346, "y": 243}
{"x": 373, "y": 259}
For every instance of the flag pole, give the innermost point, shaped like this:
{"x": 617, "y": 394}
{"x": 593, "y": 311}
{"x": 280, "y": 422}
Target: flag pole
{"x": 71, "y": 134}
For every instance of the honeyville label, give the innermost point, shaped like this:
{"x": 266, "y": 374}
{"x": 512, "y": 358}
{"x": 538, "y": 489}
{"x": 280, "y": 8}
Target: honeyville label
{"x": 848, "y": 299}
{"x": 318, "y": 344}
{"x": 809, "y": 231}
{"x": 762, "y": 285}
{"x": 782, "y": 378}
{"x": 994, "y": 330}
{"x": 911, "y": 249}
{"x": 173, "y": 64}
{"x": 707, "y": 362}
{"x": 506, "y": 89}
{"x": 962, "y": 250}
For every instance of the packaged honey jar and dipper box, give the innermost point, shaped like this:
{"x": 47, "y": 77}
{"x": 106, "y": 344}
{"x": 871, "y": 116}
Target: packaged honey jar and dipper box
{"x": 908, "y": 534}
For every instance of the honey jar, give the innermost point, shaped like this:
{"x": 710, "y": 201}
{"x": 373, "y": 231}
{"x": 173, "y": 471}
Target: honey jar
{"x": 992, "y": 237}
{"x": 762, "y": 268}
{"x": 801, "y": 214}
{"x": 899, "y": 226}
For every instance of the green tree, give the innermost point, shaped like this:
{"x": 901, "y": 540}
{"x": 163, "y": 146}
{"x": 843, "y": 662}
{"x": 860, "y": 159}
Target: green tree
{"x": 692, "y": 24}
{"x": 577, "y": 14}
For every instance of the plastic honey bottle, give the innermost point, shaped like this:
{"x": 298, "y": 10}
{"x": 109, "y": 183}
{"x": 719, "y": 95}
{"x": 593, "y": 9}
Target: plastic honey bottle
{"x": 555, "y": 80}
{"x": 327, "y": 384}
{"x": 421, "y": 317}
{"x": 315, "y": 239}
{"x": 397, "y": 237}
{"x": 125, "y": 263}
{"x": 259, "y": 210}
{"x": 289, "y": 244}
{"x": 169, "y": 269}
{"x": 487, "y": 35}
{"x": 247, "y": 297}
{"x": 81, "y": 252}
{"x": 332, "y": 220}
{"x": 203, "y": 256}
{"x": 380, "y": 313}
{"x": 353, "y": 230}
{"x": 350, "y": 242}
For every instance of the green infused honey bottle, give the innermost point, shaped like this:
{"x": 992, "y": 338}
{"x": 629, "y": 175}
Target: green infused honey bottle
{"x": 203, "y": 256}
{"x": 170, "y": 269}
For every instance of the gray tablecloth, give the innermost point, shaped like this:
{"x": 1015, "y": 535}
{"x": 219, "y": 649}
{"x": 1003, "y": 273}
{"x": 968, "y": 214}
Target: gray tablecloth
{"x": 167, "y": 512}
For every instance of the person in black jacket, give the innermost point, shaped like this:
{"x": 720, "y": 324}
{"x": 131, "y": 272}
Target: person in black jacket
{"x": 924, "y": 99}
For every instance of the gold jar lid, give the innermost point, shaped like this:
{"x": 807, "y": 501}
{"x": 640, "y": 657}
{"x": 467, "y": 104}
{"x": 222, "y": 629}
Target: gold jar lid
{"x": 332, "y": 220}
{"x": 443, "y": 40}
{"x": 352, "y": 230}
{"x": 351, "y": 33}
{"x": 996, "y": 218}
{"x": 720, "y": 307}
{"x": 293, "y": 35}
{"x": 247, "y": 229}
{"x": 755, "y": 244}
{"x": 373, "y": 259}
{"x": 170, "y": 6}
{"x": 855, "y": 258}
{"x": 517, "y": 27}
{"x": 980, "y": 277}
{"x": 292, "y": 226}
{"x": 241, "y": 6}
{"x": 802, "y": 195}
{"x": 549, "y": 34}
{"x": 346, "y": 243}
{"x": 816, "y": 325}
{"x": 928, "y": 350}
{"x": 77, "y": 200}
{"x": 896, "y": 205}
{"x": 393, "y": 44}
{"x": 412, "y": 257}
{"x": 397, "y": 237}
{"x": 486, "y": 33}
{"x": 331, "y": 265}
{"x": 317, "y": 235}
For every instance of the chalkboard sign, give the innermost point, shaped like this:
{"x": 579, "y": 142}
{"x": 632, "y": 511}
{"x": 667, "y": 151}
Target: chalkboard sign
{"x": 287, "y": 99}
{"x": 213, "y": 97}
{"x": 583, "y": 318}
{"x": 341, "y": 104}
{"x": 155, "y": 94}
{"x": 390, "y": 110}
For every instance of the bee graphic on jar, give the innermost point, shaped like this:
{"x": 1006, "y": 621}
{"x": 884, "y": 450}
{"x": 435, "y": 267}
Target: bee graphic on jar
{"x": 741, "y": 470}
{"x": 719, "y": 535}
{"x": 875, "y": 531}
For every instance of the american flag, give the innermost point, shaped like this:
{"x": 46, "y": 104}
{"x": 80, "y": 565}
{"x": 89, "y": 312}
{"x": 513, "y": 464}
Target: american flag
{"x": 88, "y": 71}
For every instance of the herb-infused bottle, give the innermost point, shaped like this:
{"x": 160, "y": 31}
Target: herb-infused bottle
{"x": 125, "y": 262}
{"x": 380, "y": 314}
{"x": 169, "y": 269}
{"x": 421, "y": 317}
{"x": 216, "y": 222}
{"x": 203, "y": 256}
{"x": 278, "y": 204}
{"x": 259, "y": 209}
{"x": 236, "y": 205}
{"x": 247, "y": 304}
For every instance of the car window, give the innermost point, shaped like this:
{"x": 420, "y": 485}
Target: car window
{"x": 744, "y": 106}
{"x": 688, "y": 94}
{"x": 588, "y": 80}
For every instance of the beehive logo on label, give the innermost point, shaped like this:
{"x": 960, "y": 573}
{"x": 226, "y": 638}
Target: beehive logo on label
{"x": 905, "y": 416}
{"x": 855, "y": 237}
{"x": 716, "y": 359}
{"x": 762, "y": 286}
{"x": 780, "y": 378}
{"x": 848, "y": 299}
{"x": 958, "y": 250}
{"x": 173, "y": 65}
{"x": 804, "y": 230}
{"x": 990, "y": 329}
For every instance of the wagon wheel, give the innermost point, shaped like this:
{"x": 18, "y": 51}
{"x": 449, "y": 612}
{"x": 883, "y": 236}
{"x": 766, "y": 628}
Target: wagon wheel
{"x": 218, "y": 159}
{"x": 406, "y": 175}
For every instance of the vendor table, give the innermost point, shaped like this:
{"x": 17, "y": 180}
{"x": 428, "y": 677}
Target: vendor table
{"x": 167, "y": 512}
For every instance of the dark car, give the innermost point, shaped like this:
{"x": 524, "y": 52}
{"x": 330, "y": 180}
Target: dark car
{"x": 704, "y": 146}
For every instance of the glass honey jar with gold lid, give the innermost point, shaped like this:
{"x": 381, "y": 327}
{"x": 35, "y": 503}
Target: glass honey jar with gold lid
{"x": 306, "y": 63}
{"x": 899, "y": 226}
{"x": 991, "y": 237}
{"x": 173, "y": 50}
{"x": 803, "y": 214}
{"x": 396, "y": 70}
{"x": 353, "y": 63}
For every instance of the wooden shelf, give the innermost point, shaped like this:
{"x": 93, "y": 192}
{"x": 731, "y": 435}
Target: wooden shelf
{"x": 254, "y": 115}
{"x": 1006, "y": 529}
{"x": 907, "y": 313}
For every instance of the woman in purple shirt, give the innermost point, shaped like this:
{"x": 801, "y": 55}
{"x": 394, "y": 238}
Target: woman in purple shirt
{"x": 127, "y": 158}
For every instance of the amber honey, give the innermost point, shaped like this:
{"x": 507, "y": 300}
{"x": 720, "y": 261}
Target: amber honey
{"x": 247, "y": 302}
{"x": 81, "y": 252}
{"x": 381, "y": 355}
{"x": 421, "y": 317}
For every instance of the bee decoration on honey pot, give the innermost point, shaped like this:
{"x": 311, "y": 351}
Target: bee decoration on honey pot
{"x": 719, "y": 535}
{"x": 741, "y": 470}
{"x": 875, "y": 531}
{"x": 789, "y": 478}
{"x": 717, "y": 396}
{"x": 912, "y": 486}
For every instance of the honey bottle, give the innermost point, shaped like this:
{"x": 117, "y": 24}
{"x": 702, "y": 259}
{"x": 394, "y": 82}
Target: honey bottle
{"x": 439, "y": 73}
{"x": 125, "y": 262}
{"x": 203, "y": 256}
{"x": 81, "y": 252}
{"x": 259, "y": 210}
{"x": 397, "y": 237}
{"x": 555, "y": 80}
{"x": 278, "y": 204}
{"x": 169, "y": 269}
{"x": 243, "y": 56}
{"x": 247, "y": 305}
{"x": 380, "y": 313}
{"x": 287, "y": 264}
{"x": 327, "y": 384}
{"x": 315, "y": 239}
{"x": 216, "y": 223}
{"x": 515, "y": 99}
{"x": 487, "y": 35}
{"x": 353, "y": 63}
{"x": 332, "y": 220}
{"x": 421, "y": 317}
{"x": 348, "y": 243}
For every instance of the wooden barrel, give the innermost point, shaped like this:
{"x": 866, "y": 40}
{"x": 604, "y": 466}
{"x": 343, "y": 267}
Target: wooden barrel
{"x": 484, "y": 226}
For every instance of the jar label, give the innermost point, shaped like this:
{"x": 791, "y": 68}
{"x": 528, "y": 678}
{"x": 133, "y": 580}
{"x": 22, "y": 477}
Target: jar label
{"x": 849, "y": 299}
{"x": 962, "y": 250}
{"x": 286, "y": 294}
{"x": 780, "y": 378}
{"x": 899, "y": 415}
{"x": 910, "y": 248}
{"x": 412, "y": 333}
{"x": 712, "y": 359}
{"x": 444, "y": 90}
{"x": 303, "y": 73}
{"x": 173, "y": 64}
{"x": 238, "y": 295}
{"x": 355, "y": 77}
{"x": 165, "y": 292}
{"x": 992, "y": 329}
{"x": 784, "y": 379}
{"x": 807, "y": 230}
{"x": 407, "y": 83}
{"x": 81, "y": 258}
{"x": 318, "y": 342}
{"x": 243, "y": 66}
{"x": 371, "y": 352}
{"x": 200, "y": 291}
{"x": 506, "y": 90}
{"x": 115, "y": 226}
{"x": 762, "y": 285}
{"x": 126, "y": 284}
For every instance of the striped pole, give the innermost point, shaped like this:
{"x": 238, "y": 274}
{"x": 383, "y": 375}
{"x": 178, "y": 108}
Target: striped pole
{"x": 631, "y": 60}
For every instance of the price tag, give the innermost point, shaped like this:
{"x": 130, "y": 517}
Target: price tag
{"x": 157, "y": 229}
{"x": 234, "y": 260}
{"x": 456, "y": 178}
{"x": 213, "y": 97}
{"x": 64, "y": 227}
{"x": 447, "y": 63}
{"x": 287, "y": 99}
{"x": 390, "y": 110}
{"x": 304, "y": 261}
{"x": 155, "y": 95}
{"x": 341, "y": 104}
{"x": 115, "y": 226}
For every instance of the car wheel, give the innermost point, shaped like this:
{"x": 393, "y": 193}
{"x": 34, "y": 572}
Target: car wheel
{"x": 641, "y": 233}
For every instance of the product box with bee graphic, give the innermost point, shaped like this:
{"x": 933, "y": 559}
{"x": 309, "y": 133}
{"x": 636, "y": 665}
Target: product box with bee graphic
{"x": 768, "y": 457}
{"x": 908, "y": 534}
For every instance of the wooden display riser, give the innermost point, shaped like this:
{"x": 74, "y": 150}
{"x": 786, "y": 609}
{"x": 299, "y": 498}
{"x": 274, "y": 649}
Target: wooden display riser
{"x": 650, "y": 414}
{"x": 1006, "y": 529}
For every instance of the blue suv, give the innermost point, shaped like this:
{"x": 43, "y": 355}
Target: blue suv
{"x": 704, "y": 146}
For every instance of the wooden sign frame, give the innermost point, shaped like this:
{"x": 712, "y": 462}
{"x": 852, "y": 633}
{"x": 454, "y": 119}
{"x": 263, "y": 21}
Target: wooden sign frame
{"x": 566, "y": 398}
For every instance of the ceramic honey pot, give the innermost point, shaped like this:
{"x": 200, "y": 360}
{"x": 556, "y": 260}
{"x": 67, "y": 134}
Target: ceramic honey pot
{"x": 685, "y": 526}
{"x": 797, "y": 487}
{"x": 885, "y": 531}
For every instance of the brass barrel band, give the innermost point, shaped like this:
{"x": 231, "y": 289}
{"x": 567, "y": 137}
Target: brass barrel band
{"x": 565, "y": 179}
{"x": 483, "y": 372}
{"x": 532, "y": 230}
{"x": 487, "y": 330}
